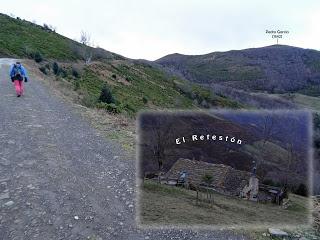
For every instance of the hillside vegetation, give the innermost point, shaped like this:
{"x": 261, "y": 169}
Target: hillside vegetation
{"x": 23, "y": 39}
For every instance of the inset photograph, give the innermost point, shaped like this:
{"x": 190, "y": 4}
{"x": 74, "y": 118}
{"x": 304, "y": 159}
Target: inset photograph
{"x": 224, "y": 169}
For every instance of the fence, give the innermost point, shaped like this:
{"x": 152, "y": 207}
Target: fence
{"x": 204, "y": 196}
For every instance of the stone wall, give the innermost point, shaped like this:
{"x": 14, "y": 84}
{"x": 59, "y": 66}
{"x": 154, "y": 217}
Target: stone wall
{"x": 236, "y": 180}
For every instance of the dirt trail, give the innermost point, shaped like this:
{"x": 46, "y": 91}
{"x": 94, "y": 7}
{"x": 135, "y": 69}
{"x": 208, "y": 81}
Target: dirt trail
{"x": 59, "y": 179}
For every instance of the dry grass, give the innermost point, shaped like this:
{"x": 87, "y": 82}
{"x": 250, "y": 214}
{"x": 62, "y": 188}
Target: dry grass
{"x": 166, "y": 205}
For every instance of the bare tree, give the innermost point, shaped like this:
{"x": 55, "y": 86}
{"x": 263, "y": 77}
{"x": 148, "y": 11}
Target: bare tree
{"x": 88, "y": 55}
{"x": 53, "y": 28}
{"x": 85, "y": 38}
{"x": 159, "y": 132}
{"x": 269, "y": 127}
{"x": 292, "y": 150}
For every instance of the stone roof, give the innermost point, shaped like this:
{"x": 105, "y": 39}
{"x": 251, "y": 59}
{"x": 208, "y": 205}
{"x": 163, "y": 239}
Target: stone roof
{"x": 224, "y": 177}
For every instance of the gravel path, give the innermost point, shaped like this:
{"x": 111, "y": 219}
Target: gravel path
{"x": 59, "y": 179}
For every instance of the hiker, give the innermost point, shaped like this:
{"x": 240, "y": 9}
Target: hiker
{"x": 17, "y": 74}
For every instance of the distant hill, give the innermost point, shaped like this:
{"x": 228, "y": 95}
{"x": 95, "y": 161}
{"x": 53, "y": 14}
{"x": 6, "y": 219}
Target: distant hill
{"x": 274, "y": 69}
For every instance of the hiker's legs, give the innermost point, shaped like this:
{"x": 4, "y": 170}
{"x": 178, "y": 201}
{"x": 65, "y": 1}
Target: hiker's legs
{"x": 17, "y": 87}
{"x": 21, "y": 87}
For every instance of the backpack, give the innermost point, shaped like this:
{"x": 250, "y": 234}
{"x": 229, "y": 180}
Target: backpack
{"x": 17, "y": 71}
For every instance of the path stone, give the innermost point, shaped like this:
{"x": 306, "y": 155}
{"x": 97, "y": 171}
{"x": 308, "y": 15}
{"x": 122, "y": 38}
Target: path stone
{"x": 8, "y": 204}
{"x": 277, "y": 232}
{"x": 4, "y": 196}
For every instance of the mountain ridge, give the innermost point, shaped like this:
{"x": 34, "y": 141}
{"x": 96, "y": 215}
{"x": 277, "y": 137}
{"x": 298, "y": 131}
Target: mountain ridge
{"x": 234, "y": 50}
{"x": 274, "y": 69}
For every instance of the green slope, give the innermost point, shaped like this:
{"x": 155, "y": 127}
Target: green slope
{"x": 261, "y": 151}
{"x": 310, "y": 102}
{"x": 20, "y": 38}
{"x": 137, "y": 86}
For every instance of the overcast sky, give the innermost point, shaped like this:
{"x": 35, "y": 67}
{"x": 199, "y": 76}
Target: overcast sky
{"x": 150, "y": 29}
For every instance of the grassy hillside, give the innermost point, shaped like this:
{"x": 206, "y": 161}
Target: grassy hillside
{"x": 260, "y": 150}
{"x": 306, "y": 101}
{"x": 23, "y": 39}
{"x": 271, "y": 167}
{"x": 134, "y": 86}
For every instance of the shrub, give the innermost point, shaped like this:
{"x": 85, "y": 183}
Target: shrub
{"x": 38, "y": 57}
{"x": 77, "y": 85}
{"x": 55, "y": 68}
{"x": 270, "y": 182}
{"x": 302, "y": 190}
{"x": 88, "y": 101}
{"x": 110, "y": 107}
{"x": 221, "y": 95}
{"x": 129, "y": 108}
{"x": 43, "y": 70}
{"x": 106, "y": 95}
{"x": 129, "y": 79}
{"x": 183, "y": 89}
{"x": 145, "y": 100}
{"x": 204, "y": 104}
{"x": 28, "y": 51}
{"x": 285, "y": 191}
{"x": 114, "y": 108}
{"x": 75, "y": 73}
{"x": 46, "y": 27}
{"x": 207, "y": 179}
{"x": 63, "y": 73}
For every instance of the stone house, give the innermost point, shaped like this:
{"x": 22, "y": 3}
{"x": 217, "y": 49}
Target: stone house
{"x": 225, "y": 179}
